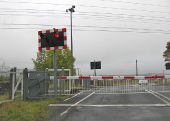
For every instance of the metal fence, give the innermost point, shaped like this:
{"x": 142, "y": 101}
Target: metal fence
{"x": 31, "y": 84}
{"x": 11, "y": 85}
{"x": 4, "y": 86}
{"x": 41, "y": 84}
{"x": 112, "y": 84}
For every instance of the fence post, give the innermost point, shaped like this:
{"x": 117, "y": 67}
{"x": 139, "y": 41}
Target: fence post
{"x": 15, "y": 76}
{"x": 10, "y": 83}
{"x": 22, "y": 87}
{"x": 25, "y": 85}
{"x": 46, "y": 81}
{"x": 13, "y": 82}
{"x": 163, "y": 84}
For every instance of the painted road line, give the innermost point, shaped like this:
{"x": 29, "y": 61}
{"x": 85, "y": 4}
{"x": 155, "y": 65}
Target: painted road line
{"x": 76, "y": 95}
{"x": 60, "y": 105}
{"x": 125, "y": 105}
{"x": 158, "y": 97}
{"x": 61, "y": 114}
{"x": 73, "y": 96}
{"x": 165, "y": 91}
{"x": 113, "y": 105}
{"x": 161, "y": 95}
{"x": 83, "y": 99}
{"x": 98, "y": 93}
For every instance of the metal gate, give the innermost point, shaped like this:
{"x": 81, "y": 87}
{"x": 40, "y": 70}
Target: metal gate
{"x": 35, "y": 84}
{"x": 128, "y": 86}
{"x": 113, "y": 84}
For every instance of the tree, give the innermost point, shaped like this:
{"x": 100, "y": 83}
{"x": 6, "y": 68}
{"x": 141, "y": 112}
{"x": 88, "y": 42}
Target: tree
{"x": 167, "y": 51}
{"x": 45, "y": 60}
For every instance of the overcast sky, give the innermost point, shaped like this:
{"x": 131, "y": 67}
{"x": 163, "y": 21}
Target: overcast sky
{"x": 115, "y": 32}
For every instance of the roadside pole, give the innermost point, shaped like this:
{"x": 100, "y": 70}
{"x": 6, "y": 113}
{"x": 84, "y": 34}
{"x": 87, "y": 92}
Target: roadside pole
{"x": 94, "y": 68}
{"x": 136, "y": 67}
{"x": 94, "y": 74}
{"x": 55, "y": 73}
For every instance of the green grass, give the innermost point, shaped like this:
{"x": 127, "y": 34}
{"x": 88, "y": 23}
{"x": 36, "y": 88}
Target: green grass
{"x": 4, "y": 97}
{"x": 36, "y": 110}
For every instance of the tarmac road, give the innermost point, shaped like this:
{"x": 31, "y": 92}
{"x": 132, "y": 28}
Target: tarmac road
{"x": 91, "y": 106}
{"x": 118, "y": 114}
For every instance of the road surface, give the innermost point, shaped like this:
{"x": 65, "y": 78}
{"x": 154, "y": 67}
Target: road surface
{"x": 148, "y": 105}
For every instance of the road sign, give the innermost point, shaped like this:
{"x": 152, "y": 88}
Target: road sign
{"x": 167, "y": 65}
{"x": 52, "y": 39}
{"x": 95, "y": 65}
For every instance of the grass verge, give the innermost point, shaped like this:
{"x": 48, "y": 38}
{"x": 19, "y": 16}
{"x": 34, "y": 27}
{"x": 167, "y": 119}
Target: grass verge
{"x": 35, "y": 110}
{"x": 4, "y": 97}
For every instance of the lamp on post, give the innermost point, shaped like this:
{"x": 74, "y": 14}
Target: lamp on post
{"x": 71, "y": 10}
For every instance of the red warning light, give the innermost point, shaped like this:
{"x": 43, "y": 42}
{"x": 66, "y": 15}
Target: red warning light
{"x": 56, "y": 36}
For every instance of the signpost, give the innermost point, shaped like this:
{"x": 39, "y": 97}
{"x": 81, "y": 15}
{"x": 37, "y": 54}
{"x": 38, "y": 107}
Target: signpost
{"x": 167, "y": 63}
{"x": 95, "y": 65}
{"x": 52, "y": 39}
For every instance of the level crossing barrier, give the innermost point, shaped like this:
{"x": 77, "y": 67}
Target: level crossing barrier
{"x": 68, "y": 85}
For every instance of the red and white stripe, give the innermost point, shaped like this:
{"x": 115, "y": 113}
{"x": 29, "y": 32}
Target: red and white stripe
{"x": 56, "y": 47}
{"x": 114, "y": 77}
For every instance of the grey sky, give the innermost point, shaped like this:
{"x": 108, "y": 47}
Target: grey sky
{"x": 116, "y": 32}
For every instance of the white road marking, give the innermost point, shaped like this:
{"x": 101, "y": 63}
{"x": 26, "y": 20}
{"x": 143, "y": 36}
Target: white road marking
{"x": 73, "y": 96}
{"x": 161, "y": 95}
{"x": 165, "y": 91}
{"x": 73, "y": 105}
{"x": 83, "y": 99}
{"x": 158, "y": 97}
{"x": 115, "y": 105}
{"x": 123, "y": 93}
{"x": 61, "y": 114}
{"x": 60, "y": 105}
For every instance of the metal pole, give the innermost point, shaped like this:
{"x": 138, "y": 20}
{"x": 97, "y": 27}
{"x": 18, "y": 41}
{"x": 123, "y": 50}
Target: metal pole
{"x": 71, "y": 33}
{"x": 13, "y": 84}
{"x": 94, "y": 68}
{"x": 78, "y": 71}
{"x": 136, "y": 67}
{"x": 94, "y": 74}
{"x": 71, "y": 10}
{"x": 69, "y": 82}
{"x": 62, "y": 82}
{"x": 55, "y": 73}
{"x": 71, "y": 23}
{"x": 63, "y": 63}
{"x": 10, "y": 83}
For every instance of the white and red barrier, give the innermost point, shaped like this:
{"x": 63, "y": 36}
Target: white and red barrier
{"x": 112, "y": 84}
{"x": 115, "y": 77}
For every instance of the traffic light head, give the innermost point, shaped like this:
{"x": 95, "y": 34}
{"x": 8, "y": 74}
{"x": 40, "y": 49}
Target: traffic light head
{"x": 56, "y": 35}
{"x": 52, "y": 39}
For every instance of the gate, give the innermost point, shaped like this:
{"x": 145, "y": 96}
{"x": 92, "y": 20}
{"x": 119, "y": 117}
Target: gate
{"x": 35, "y": 84}
{"x": 41, "y": 85}
{"x": 114, "y": 84}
